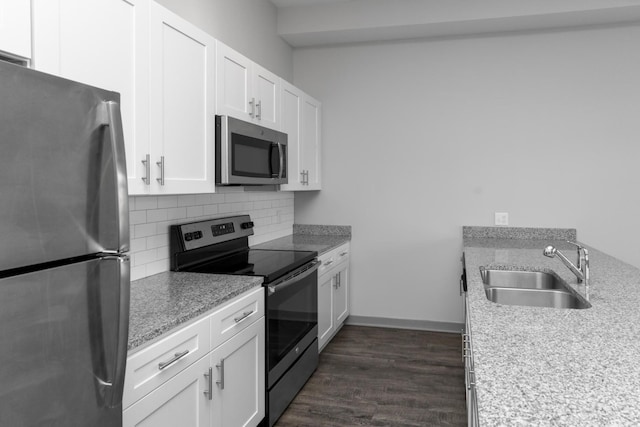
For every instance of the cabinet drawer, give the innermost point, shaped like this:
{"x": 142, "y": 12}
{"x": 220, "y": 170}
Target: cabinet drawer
{"x": 236, "y": 316}
{"x": 334, "y": 257}
{"x": 156, "y": 364}
{"x": 342, "y": 253}
{"x": 327, "y": 261}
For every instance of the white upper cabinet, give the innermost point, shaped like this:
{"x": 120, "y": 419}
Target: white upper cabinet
{"x": 310, "y": 142}
{"x": 164, "y": 69}
{"x": 266, "y": 87}
{"x": 181, "y": 105}
{"x": 291, "y": 103}
{"x": 233, "y": 83}
{"x": 301, "y": 117}
{"x": 15, "y": 28}
{"x": 69, "y": 40}
{"x": 245, "y": 90}
{"x": 172, "y": 78}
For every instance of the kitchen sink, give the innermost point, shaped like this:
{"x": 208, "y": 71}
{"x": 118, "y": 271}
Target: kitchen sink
{"x": 530, "y": 288}
{"x": 521, "y": 279}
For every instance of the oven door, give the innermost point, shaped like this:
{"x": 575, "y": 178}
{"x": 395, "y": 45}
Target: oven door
{"x": 249, "y": 154}
{"x": 292, "y": 319}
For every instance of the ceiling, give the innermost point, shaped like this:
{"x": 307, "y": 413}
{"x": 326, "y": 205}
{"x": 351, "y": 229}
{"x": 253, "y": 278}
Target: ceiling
{"x": 304, "y": 23}
{"x": 285, "y": 3}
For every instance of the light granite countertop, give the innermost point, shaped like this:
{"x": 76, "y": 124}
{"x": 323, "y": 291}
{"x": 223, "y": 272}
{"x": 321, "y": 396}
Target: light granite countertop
{"x": 306, "y": 237}
{"x": 163, "y": 301}
{"x": 296, "y": 242}
{"x": 555, "y": 367}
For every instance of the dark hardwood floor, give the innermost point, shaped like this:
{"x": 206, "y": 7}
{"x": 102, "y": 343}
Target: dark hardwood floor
{"x": 383, "y": 377}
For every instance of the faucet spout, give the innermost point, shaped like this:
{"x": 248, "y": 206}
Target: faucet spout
{"x": 581, "y": 270}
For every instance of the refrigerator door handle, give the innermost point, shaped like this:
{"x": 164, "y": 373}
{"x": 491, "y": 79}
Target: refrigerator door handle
{"x": 116, "y": 133}
{"x": 113, "y": 395}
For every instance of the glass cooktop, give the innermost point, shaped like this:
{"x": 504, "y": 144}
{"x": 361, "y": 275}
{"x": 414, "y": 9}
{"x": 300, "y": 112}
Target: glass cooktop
{"x": 270, "y": 264}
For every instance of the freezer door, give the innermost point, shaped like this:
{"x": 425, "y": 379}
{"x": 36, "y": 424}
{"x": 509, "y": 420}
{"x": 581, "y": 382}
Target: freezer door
{"x": 63, "y": 335}
{"x": 62, "y": 169}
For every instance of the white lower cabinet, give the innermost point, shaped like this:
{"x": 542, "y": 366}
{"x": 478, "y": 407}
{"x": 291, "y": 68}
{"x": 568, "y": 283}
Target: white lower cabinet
{"x": 239, "y": 376}
{"x": 224, "y": 387}
{"x": 181, "y": 401}
{"x": 333, "y": 293}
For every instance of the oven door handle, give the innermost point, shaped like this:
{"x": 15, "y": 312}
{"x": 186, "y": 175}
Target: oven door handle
{"x": 294, "y": 278}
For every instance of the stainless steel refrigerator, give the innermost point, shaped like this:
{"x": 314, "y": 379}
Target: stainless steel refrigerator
{"x": 64, "y": 237}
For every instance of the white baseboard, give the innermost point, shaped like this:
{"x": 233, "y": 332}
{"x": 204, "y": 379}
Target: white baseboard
{"x": 422, "y": 325}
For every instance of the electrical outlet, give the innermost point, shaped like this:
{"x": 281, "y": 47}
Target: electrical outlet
{"x": 501, "y": 218}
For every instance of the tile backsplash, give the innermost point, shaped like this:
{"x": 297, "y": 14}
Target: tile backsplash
{"x": 151, "y": 216}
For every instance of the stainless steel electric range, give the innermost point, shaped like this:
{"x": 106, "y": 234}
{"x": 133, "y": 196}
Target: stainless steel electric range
{"x": 221, "y": 246}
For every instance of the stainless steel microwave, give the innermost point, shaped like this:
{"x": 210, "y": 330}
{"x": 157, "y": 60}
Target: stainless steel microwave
{"x": 249, "y": 154}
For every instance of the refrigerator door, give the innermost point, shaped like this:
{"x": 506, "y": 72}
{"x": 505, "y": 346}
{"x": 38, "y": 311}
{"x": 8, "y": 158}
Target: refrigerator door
{"x": 64, "y": 343}
{"x": 62, "y": 170}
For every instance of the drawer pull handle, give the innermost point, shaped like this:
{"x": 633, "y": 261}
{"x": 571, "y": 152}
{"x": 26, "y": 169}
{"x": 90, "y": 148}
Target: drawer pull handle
{"x": 244, "y": 316}
{"x": 329, "y": 262}
{"x": 175, "y": 358}
{"x": 344, "y": 253}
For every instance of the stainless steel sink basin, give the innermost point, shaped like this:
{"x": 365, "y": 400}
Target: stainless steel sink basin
{"x": 521, "y": 279}
{"x": 530, "y": 288}
{"x": 552, "y": 298}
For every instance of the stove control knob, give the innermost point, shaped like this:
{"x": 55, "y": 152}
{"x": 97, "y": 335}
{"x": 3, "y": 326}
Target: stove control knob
{"x": 246, "y": 225}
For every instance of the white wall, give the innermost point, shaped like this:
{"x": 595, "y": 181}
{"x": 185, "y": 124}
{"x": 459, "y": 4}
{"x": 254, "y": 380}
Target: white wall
{"x": 248, "y": 26}
{"x": 422, "y": 137}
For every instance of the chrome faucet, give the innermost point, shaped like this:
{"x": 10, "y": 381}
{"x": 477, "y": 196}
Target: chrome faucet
{"x": 581, "y": 270}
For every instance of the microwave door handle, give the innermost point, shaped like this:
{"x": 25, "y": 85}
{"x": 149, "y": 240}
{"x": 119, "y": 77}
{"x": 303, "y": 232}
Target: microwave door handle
{"x": 281, "y": 153}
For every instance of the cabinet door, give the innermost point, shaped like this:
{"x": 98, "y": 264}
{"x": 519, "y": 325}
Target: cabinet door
{"x": 341, "y": 295}
{"x": 326, "y": 282}
{"x": 97, "y": 42}
{"x": 310, "y": 145}
{"x": 181, "y": 104}
{"x": 266, "y": 90}
{"x": 291, "y": 115}
{"x": 239, "y": 378}
{"x": 181, "y": 401}
{"x": 234, "y": 84}
{"x": 15, "y": 28}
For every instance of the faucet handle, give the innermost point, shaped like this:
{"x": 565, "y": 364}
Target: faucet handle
{"x": 581, "y": 250}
